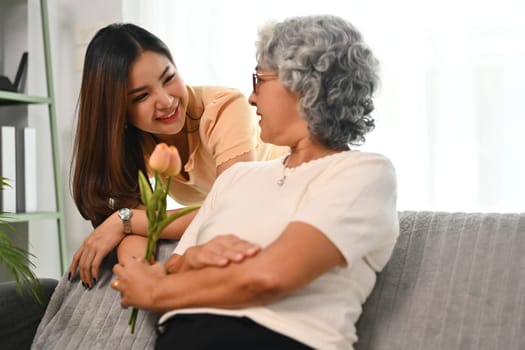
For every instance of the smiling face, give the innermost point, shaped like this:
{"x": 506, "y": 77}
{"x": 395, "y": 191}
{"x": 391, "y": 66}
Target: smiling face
{"x": 281, "y": 122}
{"x": 157, "y": 95}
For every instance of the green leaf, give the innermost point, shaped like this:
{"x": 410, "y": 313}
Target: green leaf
{"x": 162, "y": 208}
{"x": 18, "y": 264}
{"x": 145, "y": 188}
{"x": 168, "y": 220}
{"x": 17, "y": 260}
{"x": 155, "y": 199}
{"x": 4, "y": 182}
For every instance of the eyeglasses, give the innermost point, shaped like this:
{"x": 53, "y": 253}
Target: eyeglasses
{"x": 262, "y": 77}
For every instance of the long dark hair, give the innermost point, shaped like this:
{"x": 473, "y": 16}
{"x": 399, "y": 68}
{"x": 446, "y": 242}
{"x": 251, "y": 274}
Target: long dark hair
{"x": 108, "y": 152}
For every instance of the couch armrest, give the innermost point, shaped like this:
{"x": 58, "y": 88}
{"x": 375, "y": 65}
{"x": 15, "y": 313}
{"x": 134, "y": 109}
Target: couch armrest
{"x": 21, "y": 314}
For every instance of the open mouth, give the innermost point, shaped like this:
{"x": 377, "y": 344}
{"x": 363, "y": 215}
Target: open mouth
{"x": 170, "y": 116}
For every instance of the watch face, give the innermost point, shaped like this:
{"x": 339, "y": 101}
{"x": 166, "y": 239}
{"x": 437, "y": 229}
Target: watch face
{"x": 125, "y": 216}
{"x": 124, "y": 213}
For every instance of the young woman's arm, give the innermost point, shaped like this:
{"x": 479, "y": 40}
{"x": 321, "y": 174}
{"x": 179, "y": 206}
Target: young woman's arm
{"x": 108, "y": 235}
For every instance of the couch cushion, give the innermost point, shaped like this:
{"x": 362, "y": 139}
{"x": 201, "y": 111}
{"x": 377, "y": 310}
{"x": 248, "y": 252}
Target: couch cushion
{"x": 455, "y": 281}
{"x": 81, "y": 319}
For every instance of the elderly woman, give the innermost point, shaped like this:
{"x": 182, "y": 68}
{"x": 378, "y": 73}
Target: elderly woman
{"x": 321, "y": 221}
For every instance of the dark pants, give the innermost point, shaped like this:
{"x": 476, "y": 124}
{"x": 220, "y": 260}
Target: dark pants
{"x": 207, "y": 331}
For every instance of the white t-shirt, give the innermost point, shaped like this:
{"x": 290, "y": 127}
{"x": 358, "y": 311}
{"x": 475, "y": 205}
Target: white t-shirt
{"x": 349, "y": 196}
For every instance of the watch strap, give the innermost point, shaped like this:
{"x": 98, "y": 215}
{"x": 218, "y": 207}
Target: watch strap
{"x": 125, "y": 215}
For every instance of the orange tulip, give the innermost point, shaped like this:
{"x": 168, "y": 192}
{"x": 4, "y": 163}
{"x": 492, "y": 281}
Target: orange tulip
{"x": 159, "y": 160}
{"x": 175, "y": 162}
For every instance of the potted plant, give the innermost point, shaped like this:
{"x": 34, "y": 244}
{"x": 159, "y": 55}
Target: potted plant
{"x": 17, "y": 260}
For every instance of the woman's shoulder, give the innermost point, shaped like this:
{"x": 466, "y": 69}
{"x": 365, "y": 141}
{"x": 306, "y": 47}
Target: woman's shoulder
{"x": 362, "y": 158}
{"x": 348, "y": 163}
{"x": 216, "y": 94}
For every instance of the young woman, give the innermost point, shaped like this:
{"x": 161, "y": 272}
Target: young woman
{"x": 131, "y": 98}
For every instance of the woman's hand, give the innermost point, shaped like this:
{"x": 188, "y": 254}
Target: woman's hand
{"x": 95, "y": 248}
{"x": 220, "y": 251}
{"x": 136, "y": 279}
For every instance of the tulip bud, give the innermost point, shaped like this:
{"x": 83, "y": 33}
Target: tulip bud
{"x": 160, "y": 158}
{"x": 175, "y": 162}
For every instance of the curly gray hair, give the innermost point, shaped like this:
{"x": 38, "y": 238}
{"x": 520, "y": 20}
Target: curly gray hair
{"x": 325, "y": 60}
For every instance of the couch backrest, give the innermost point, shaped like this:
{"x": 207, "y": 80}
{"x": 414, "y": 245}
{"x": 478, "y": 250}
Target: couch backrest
{"x": 455, "y": 281}
{"x": 20, "y": 313}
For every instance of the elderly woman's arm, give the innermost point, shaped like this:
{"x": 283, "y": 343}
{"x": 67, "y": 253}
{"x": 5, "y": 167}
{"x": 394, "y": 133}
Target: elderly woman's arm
{"x": 301, "y": 254}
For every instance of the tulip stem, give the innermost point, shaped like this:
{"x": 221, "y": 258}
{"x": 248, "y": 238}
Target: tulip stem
{"x": 155, "y": 203}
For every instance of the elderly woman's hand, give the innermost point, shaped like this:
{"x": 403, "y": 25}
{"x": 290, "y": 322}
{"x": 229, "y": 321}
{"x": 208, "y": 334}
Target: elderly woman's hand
{"x": 95, "y": 248}
{"x": 135, "y": 280}
{"x": 220, "y": 251}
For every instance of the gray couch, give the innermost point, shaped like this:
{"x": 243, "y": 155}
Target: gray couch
{"x": 455, "y": 281}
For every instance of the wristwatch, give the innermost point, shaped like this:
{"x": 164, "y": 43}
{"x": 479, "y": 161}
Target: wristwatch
{"x": 125, "y": 215}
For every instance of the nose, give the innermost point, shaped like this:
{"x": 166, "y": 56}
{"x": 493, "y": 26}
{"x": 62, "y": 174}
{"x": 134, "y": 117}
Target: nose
{"x": 164, "y": 99}
{"x": 252, "y": 99}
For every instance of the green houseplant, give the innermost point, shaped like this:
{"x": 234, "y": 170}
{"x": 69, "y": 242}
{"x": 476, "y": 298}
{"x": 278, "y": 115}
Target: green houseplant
{"x": 17, "y": 260}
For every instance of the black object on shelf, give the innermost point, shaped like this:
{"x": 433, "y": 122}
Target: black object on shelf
{"x": 7, "y": 85}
